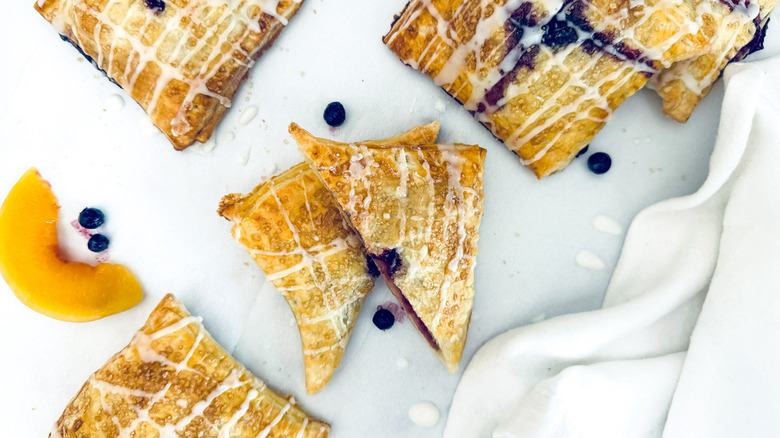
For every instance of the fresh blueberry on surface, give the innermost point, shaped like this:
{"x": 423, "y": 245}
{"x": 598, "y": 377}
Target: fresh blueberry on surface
{"x": 599, "y": 163}
{"x": 334, "y": 114}
{"x": 584, "y": 150}
{"x": 383, "y": 319}
{"x": 91, "y": 218}
{"x": 97, "y": 243}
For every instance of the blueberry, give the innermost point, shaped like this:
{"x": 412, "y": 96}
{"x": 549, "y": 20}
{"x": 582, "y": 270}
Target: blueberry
{"x": 91, "y": 218}
{"x": 599, "y": 163}
{"x": 383, "y": 319}
{"x": 334, "y": 114}
{"x": 585, "y": 149}
{"x": 156, "y": 5}
{"x": 97, "y": 243}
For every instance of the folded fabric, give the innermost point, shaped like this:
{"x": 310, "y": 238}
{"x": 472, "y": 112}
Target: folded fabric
{"x": 614, "y": 372}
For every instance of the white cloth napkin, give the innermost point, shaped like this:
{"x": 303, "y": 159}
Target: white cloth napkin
{"x": 621, "y": 371}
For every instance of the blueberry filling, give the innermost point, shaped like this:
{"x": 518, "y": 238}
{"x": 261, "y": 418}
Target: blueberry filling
{"x": 91, "y": 218}
{"x": 599, "y": 163}
{"x": 89, "y": 59}
{"x": 391, "y": 259}
{"x": 582, "y": 151}
{"x": 383, "y": 319}
{"x": 558, "y": 33}
{"x": 388, "y": 263}
{"x": 97, "y": 243}
{"x": 335, "y": 114}
{"x": 158, "y": 6}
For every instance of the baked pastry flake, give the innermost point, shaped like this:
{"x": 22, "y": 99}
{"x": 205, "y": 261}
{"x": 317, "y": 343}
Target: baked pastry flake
{"x": 739, "y": 31}
{"x": 173, "y": 379}
{"x": 292, "y": 227}
{"x": 417, "y": 209}
{"x": 181, "y": 60}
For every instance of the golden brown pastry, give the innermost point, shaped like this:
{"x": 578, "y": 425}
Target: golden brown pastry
{"x": 173, "y": 379}
{"x": 292, "y": 227}
{"x": 544, "y": 76}
{"x": 740, "y": 30}
{"x": 417, "y": 209}
{"x": 181, "y": 60}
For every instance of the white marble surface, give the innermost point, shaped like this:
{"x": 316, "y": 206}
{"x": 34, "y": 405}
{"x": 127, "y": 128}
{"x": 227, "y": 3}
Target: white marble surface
{"x": 63, "y": 117}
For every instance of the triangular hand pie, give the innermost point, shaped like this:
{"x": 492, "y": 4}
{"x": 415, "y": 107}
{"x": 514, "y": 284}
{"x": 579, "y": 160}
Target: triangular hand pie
{"x": 417, "y": 209}
{"x": 173, "y": 379}
{"x": 292, "y": 227}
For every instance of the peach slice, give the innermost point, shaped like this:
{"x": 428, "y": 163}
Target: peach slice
{"x": 31, "y": 265}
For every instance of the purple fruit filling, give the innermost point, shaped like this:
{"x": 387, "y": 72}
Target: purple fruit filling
{"x": 388, "y": 263}
{"x": 371, "y": 268}
{"x": 756, "y": 44}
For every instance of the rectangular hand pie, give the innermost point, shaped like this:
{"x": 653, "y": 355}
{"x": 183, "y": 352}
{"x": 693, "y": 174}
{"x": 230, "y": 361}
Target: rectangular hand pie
{"x": 544, "y": 76}
{"x": 293, "y": 228}
{"x": 181, "y": 60}
{"x": 417, "y": 209}
{"x": 173, "y": 379}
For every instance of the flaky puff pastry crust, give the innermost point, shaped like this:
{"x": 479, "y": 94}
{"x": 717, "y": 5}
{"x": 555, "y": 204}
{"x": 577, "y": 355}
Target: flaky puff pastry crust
{"x": 182, "y": 63}
{"x": 683, "y": 85}
{"x": 544, "y": 76}
{"x": 173, "y": 379}
{"x": 292, "y": 227}
{"x": 417, "y": 209}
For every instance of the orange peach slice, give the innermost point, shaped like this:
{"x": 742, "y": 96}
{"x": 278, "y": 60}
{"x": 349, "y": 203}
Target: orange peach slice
{"x": 31, "y": 265}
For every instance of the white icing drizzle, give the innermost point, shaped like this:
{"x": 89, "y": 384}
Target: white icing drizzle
{"x": 248, "y": 115}
{"x": 142, "y": 346}
{"x": 468, "y": 59}
{"x": 227, "y": 24}
{"x": 424, "y": 414}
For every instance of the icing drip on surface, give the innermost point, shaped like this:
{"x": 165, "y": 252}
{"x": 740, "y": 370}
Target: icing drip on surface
{"x": 588, "y": 260}
{"x": 424, "y": 414}
{"x": 188, "y": 45}
{"x": 606, "y": 224}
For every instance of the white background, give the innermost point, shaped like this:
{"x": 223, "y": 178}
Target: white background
{"x": 60, "y": 115}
